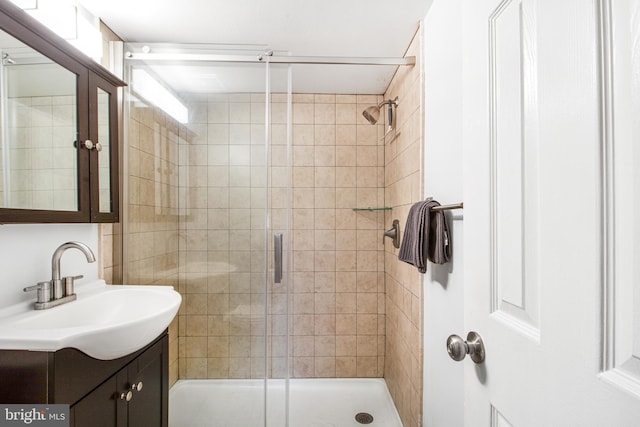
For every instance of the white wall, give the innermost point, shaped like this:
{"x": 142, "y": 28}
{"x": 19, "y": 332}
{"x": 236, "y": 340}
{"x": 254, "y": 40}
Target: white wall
{"x": 443, "y": 403}
{"x": 25, "y": 256}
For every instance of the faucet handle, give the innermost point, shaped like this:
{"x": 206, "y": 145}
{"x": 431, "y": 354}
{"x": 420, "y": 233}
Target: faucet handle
{"x": 69, "y": 285}
{"x": 43, "y": 291}
{"x": 35, "y": 287}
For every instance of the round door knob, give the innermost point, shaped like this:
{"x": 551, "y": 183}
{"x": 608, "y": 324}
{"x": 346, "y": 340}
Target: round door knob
{"x": 98, "y": 147}
{"x": 456, "y": 347}
{"x": 459, "y": 348}
{"x": 126, "y": 396}
{"x": 137, "y": 386}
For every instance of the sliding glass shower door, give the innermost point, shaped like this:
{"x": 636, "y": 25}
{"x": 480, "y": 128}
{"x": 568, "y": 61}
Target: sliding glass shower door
{"x": 207, "y": 194}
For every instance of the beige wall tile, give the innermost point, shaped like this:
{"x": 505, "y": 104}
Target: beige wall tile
{"x": 303, "y": 367}
{"x": 303, "y": 324}
{"x": 346, "y": 367}
{"x": 303, "y": 176}
{"x": 218, "y": 367}
{"x": 196, "y": 367}
{"x": 345, "y": 323}
{"x": 325, "y": 324}
{"x": 303, "y": 113}
{"x": 366, "y": 366}
{"x": 240, "y": 367}
{"x": 324, "y": 135}
{"x": 346, "y": 134}
{"x": 324, "y": 114}
{"x": 196, "y": 325}
{"x": 325, "y": 303}
{"x": 325, "y": 367}
{"x": 303, "y": 155}
{"x": 325, "y": 281}
{"x": 346, "y": 345}
{"x": 324, "y": 98}
{"x": 303, "y": 345}
{"x": 324, "y": 155}
{"x": 346, "y": 113}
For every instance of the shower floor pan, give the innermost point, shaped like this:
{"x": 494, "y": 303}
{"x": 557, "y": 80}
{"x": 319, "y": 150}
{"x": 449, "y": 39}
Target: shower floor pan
{"x": 313, "y": 403}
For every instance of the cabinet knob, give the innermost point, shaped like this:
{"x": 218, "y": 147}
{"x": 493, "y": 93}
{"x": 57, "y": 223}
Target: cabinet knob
{"x": 126, "y": 396}
{"x": 90, "y": 145}
{"x": 136, "y": 386}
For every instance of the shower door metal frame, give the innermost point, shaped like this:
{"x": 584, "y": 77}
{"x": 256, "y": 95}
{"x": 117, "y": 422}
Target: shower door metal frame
{"x": 272, "y": 240}
{"x": 267, "y": 58}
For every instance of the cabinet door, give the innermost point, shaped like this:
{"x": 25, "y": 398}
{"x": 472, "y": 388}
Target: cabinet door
{"x": 135, "y": 396}
{"x": 148, "y": 378}
{"x": 46, "y": 120}
{"x": 44, "y": 117}
{"x": 103, "y": 159}
{"x": 103, "y": 407}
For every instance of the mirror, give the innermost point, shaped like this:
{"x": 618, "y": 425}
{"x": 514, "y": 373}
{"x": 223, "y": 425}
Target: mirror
{"x": 38, "y": 130}
{"x": 104, "y": 160}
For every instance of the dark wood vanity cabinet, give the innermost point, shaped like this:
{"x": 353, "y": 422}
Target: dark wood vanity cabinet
{"x": 129, "y": 391}
{"x": 142, "y": 381}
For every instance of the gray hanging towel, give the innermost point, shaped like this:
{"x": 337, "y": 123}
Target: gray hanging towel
{"x": 439, "y": 244}
{"x": 426, "y": 235}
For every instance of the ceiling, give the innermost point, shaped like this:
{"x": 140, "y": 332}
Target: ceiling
{"x": 349, "y": 28}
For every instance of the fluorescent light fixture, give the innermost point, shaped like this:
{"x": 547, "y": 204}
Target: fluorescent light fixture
{"x": 150, "y": 89}
{"x": 61, "y": 20}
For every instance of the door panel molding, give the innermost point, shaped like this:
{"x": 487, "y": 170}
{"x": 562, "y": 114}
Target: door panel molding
{"x": 620, "y": 104}
{"x": 497, "y": 419}
{"x": 514, "y": 166}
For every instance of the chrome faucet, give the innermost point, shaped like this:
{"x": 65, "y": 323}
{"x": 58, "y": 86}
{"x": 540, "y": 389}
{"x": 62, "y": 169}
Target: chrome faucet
{"x": 59, "y": 290}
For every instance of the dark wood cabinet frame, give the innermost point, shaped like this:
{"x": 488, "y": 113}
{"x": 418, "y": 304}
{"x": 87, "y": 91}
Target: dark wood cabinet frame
{"x": 90, "y": 76}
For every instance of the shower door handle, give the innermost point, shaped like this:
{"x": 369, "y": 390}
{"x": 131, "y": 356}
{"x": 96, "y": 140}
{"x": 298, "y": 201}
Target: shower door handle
{"x": 277, "y": 257}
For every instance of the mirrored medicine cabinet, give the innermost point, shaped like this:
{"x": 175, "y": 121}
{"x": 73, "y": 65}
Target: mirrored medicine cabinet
{"x": 58, "y": 128}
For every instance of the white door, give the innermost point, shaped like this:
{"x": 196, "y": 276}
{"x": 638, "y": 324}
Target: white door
{"x": 551, "y": 96}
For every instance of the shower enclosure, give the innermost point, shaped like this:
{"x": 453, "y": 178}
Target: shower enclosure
{"x": 208, "y": 191}
{"x": 246, "y": 198}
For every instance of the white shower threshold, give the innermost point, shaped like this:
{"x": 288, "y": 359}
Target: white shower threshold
{"x": 313, "y": 403}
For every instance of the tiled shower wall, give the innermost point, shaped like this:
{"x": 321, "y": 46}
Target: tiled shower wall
{"x": 337, "y": 306}
{"x": 151, "y": 218}
{"x": 338, "y": 268}
{"x": 403, "y": 187}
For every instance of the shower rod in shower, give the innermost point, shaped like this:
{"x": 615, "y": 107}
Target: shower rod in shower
{"x": 310, "y": 60}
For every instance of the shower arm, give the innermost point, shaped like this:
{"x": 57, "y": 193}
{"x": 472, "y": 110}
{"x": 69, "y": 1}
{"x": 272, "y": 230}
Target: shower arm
{"x": 392, "y": 103}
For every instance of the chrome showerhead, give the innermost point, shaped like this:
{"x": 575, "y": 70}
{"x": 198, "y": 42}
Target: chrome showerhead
{"x": 372, "y": 113}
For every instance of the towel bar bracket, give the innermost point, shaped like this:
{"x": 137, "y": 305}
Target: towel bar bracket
{"x": 393, "y": 233}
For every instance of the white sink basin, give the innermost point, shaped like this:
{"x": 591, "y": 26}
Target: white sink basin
{"x": 105, "y": 322}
